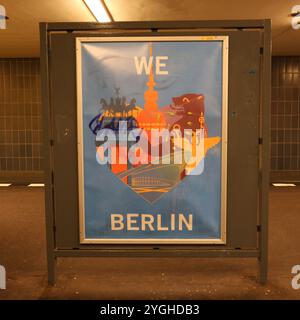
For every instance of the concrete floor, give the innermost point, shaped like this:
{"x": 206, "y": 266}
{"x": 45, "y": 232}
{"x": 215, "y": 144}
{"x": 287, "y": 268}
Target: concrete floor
{"x": 22, "y": 252}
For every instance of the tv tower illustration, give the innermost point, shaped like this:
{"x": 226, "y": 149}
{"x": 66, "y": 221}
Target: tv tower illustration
{"x": 150, "y": 117}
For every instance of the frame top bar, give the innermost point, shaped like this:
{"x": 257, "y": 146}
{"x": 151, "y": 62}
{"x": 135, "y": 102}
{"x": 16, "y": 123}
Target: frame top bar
{"x": 144, "y": 25}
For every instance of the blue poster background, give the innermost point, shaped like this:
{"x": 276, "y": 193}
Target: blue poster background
{"x": 194, "y": 67}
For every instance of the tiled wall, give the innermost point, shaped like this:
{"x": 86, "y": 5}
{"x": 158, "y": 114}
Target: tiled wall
{"x": 20, "y": 120}
{"x": 285, "y": 119}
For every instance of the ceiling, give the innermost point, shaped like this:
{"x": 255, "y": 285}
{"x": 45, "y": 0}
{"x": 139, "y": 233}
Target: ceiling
{"x": 21, "y": 36}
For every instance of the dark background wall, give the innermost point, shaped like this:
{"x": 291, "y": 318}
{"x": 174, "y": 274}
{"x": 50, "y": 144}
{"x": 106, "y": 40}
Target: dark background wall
{"x": 21, "y": 157}
{"x": 285, "y": 119}
{"x": 20, "y": 121}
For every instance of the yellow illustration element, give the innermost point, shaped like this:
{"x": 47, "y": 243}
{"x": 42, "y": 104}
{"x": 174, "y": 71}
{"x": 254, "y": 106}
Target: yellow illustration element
{"x": 131, "y": 113}
{"x": 210, "y": 143}
{"x": 191, "y": 147}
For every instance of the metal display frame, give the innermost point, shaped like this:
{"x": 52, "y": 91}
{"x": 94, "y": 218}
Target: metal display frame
{"x": 77, "y": 30}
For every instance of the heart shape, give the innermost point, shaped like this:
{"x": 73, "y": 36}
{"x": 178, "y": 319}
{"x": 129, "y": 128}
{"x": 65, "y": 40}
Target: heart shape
{"x": 149, "y": 178}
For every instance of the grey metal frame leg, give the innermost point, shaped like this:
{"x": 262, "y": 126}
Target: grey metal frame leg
{"x": 52, "y": 270}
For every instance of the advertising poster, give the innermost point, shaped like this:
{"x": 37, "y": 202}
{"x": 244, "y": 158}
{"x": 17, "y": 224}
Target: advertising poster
{"x": 152, "y": 139}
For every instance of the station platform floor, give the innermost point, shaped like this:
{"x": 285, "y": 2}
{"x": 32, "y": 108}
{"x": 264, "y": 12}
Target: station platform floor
{"x": 23, "y": 254}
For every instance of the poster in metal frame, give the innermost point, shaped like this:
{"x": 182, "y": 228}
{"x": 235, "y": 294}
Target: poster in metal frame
{"x": 223, "y": 40}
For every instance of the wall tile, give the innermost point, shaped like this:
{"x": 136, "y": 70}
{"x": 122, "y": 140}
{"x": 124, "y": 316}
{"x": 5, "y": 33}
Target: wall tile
{"x": 20, "y": 111}
{"x": 285, "y": 132}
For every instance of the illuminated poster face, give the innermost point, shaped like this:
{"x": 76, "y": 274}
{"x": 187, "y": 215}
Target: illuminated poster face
{"x": 152, "y": 136}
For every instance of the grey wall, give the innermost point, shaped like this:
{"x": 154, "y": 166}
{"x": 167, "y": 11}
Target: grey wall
{"x": 20, "y": 121}
{"x": 285, "y": 119}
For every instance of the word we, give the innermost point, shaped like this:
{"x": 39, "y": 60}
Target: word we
{"x": 141, "y": 64}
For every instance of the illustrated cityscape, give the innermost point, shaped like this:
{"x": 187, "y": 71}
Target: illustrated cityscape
{"x": 186, "y": 111}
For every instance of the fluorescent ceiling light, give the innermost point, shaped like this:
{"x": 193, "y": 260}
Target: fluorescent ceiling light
{"x": 36, "y": 185}
{"x": 5, "y": 184}
{"x": 284, "y": 185}
{"x": 99, "y": 10}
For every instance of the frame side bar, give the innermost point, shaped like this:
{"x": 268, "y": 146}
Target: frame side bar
{"x": 265, "y": 157}
{"x": 49, "y": 207}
